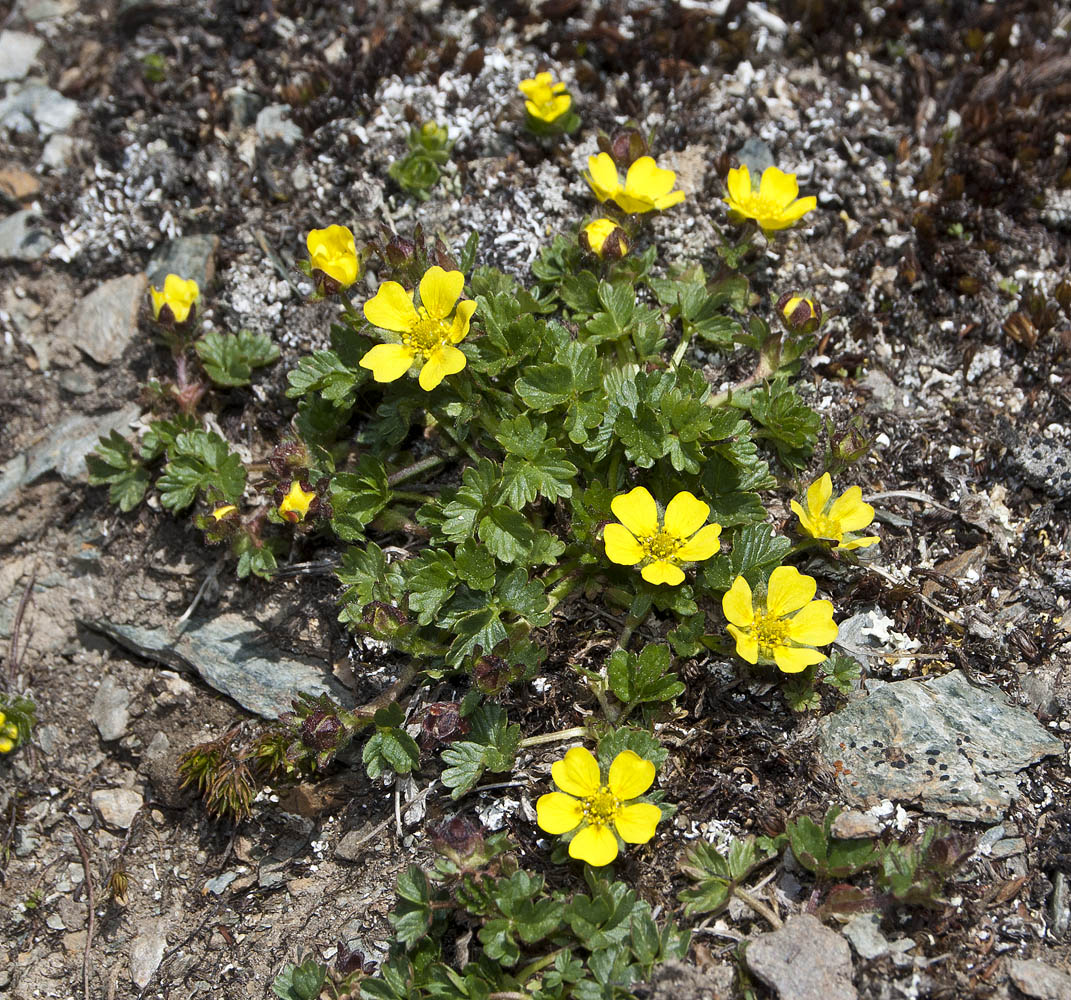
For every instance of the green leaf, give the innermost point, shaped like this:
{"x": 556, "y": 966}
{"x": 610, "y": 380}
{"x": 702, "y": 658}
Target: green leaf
{"x": 492, "y": 746}
{"x": 475, "y": 565}
{"x": 840, "y": 672}
{"x": 413, "y": 914}
{"x": 300, "y": 982}
{"x": 254, "y": 559}
{"x": 756, "y": 552}
{"x": 639, "y": 741}
{"x": 827, "y": 856}
{"x": 324, "y": 372}
{"x": 507, "y": 534}
{"x": 229, "y": 359}
{"x": 200, "y": 462}
{"x": 112, "y": 463}
{"x": 789, "y": 424}
{"x": 718, "y": 872}
{"x": 357, "y": 497}
{"x": 161, "y": 435}
{"x": 366, "y": 576}
{"x": 431, "y": 580}
{"x": 390, "y": 747}
{"x": 643, "y": 678}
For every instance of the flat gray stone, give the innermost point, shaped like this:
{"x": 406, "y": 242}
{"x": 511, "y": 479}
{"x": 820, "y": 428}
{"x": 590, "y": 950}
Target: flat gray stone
{"x": 65, "y": 449}
{"x": 147, "y": 952}
{"x": 275, "y": 126}
{"x": 104, "y": 323}
{"x": 232, "y": 655}
{"x": 756, "y": 155}
{"x": 804, "y": 960}
{"x": 23, "y": 238}
{"x": 188, "y": 257}
{"x": 110, "y": 710}
{"x": 18, "y": 51}
{"x": 1038, "y": 980}
{"x": 47, "y": 10}
{"x": 117, "y": 806}
{"x": 35, "y": 106}
{"x": 58, "y": 152}
{"x": 854, "y": 825}
{"x": 944, "y": 745}
{"x": 864, "y": 932}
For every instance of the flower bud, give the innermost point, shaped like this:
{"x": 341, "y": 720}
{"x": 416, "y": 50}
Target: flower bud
{"x": 605, "y": 239}
{"x": 399, "y": 251}
{"x": 799, "y": 314}
{"x": 625, "y": 146}
{"x": 460, "y": 840}
{"x": 491, "y": 673}
{"x": 332, "y": 258}
{"x": 321, "y": 731}
{"x": 173, "y": 304}
{"x": 442, "y": 724}
{"x": 384, "y": 620}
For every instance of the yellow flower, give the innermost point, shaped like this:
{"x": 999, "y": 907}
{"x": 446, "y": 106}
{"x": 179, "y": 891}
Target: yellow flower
{"x": 178, "y": 294}
{"x": 426, "y": 333}
{"x": 599, "y": 809}
{"x": 221, "y": 512}
{"x": 604, "y": 238}
{"x": 546, "y": 100}
{"x": 333, "y": 252}
{"x": 6, "y": 745}
{"x": 775, "y": 205}
{"x": 296, "y": 503}
{"x": 647, "y": 186}
{"x": 787, "y": 628}
{"x": 837, "y": 520}
{"x": 11, "y": 731}
{"x": 683, "y": 537}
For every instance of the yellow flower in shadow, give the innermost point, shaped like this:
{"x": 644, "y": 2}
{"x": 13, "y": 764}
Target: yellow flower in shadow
{"x": 296, "y": 503}
{"x": 838, "y": 520}
{"x": 546, "y": 100}
{"x": 427, "y": 333}
{"x": 647, "y": 187}
{"x": 602, "y": 811}
{"x": 683, "y": 536}
{"x": 774, "y": 206}
{"x": 179, "y": 295}
{"x": 786, "y": 628}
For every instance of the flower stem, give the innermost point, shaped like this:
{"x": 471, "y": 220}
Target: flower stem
{"x": 416, "y": 469}
{"x": 759, "y": 907}
{"x": 575, "y": 733}
{"x": 529, "y": 970}
{"x": 563, "y": 588}
{"x": 686, "y": 339}
{"x": 762, "y": 370}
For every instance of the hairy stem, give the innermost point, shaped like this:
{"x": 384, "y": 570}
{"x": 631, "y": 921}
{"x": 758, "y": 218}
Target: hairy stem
{"x": 559, "y": 736}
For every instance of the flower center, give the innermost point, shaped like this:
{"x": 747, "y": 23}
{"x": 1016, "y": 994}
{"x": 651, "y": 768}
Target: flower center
{"x": 826, "y": 527}
{"x": 601, "y": 808}
{"x": 770, "y": 632}
{"x": 661, "y": 546}
{"x": 758, "y": 207}
{"x": 428, "y": 334}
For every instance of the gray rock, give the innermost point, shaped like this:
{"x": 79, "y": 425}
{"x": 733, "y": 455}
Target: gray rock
{"x": 11, "y": 476}
{"x": 1044, "y": 463}
{"x": 117, "y": 806}
{"x": 854, "y": 825}
{"x": 218, "y": 885}
{"x": 47, "y": 10}
{"x": 1059, "y": 906}
{"x": 23, "y": 238}
{"x": 17, "y": 54}
{"x": 945, "y": 745}
{"x": 756, "y": 155}
{"x": 243, "y": 107}
{"x": 804, "y": 960}
{"x": 1038, "y": 980}
{"x": 274, "y": 126}
{"x": 1008, "y": 848}
{"x": 35, "y": 106}
{"x": 232, "y": 655}
{"x": 65, "y": 449}
{"x": 147, "y": 952}
{"x": 188, "y": 257}
{"x": 683, "y": 981}
{"x": 103, "y": 323}
{"x": 58, "y": 152}
{"x": 110, "y": 710}
{"x": 864, "y": 932}
{"x": 77, "y": 383}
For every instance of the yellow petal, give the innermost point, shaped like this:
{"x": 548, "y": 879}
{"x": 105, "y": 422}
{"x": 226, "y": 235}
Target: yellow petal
{"x": 633, "y": 204}
{"x": 621, "y": 545}
{"x": 859, "y": 543}
{"x": 391, "y": 308}
{"x": 333, "y": 251}
{"x": 747, "y": 646}
{"x": 577, "y": 773}
{"x": 462, "y": 317}
{"x": 685, "y": 515}
{"x": 637, "y": 511}
{"x": 739, "y": 184}
{"x": 797, "y": 210}
{"x": 594, "y": 844}
{"x": 388, "y": 362}
{"x": 558, "y": 813}
{"x": 158, "y": 301}
{"x": 737, "y": 604}
{"x": 849, "y": 511}
{"x": 813, "y": 625}
{"x": 793, "y": 659}
{"x": 602, "y": 176}
{"x": 702, "y": 545}
{"x": 668, "y": 200}
{"x": 661, "y": 571}
{"x": 805, "y": 521}
{"x": 818, "y": 494}
{"x": 778, "y": 187}
{"x": 443, "y": 361}
{"x": 630, "y": 775}
{"x": 645, "y": 179}
{"x": 788, "y": 591}
{"x": 439, "y": 290}
{"x": 636, "y": 823}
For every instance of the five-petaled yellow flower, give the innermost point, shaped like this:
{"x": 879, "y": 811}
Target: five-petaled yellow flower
{"x": 786, "y": 629}
{"x": 838, "y": 520}
{"x": 546, "y": 100}
{"x": 604, "y": 238}
{"x": 426, "y": 333}
{"x": 775, "y": 205}
{"x": 599, "y": 809}
{"x": 296, "y": 503}
{"x": 682, "y": 537}
{"x": 333, "y": 251}
{"x": 647, "y": 186}
{"x": 178, "y": 294}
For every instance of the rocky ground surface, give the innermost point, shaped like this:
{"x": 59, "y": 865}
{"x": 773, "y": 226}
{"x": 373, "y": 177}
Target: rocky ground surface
{"x": 141, "y": 136}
